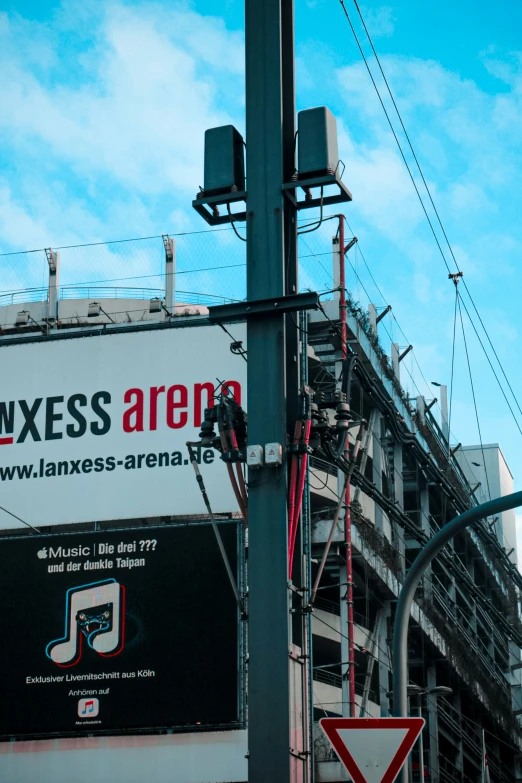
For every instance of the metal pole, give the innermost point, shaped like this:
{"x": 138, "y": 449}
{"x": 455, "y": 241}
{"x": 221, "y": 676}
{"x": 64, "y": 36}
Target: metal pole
{"x": 444, "y": 423}
{"x": 347, "y": 496}
{"x": 170, "y": 272}
{"x": 267, "y": 255}
{"x": 421, "y": 745}
{"x": 406, "y": 595}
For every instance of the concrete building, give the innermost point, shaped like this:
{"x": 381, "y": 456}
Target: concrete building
{"x": 466, "y": 631}
{"x": 487, "y": 465}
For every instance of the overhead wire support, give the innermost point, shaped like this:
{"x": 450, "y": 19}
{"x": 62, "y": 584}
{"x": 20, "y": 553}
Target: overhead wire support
{"x": 474, "y": 398}
{"x": 6, "y": 511}
{"x": 215, "y": 528}
{"x": 428, "y": 191}
{"x": 491, "y": 366}
{"x": 394, "y": 134}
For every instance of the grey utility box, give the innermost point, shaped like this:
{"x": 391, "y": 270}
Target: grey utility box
{"x": 224, "y": 160}
{"x": 317, "y": 142}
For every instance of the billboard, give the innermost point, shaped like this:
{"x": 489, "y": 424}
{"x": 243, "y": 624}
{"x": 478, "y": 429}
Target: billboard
{"x": 125, "y": 629}
{"x": 94, "y": 428}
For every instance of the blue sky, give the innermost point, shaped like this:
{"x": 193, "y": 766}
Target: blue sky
{"x": 104, "y": 106}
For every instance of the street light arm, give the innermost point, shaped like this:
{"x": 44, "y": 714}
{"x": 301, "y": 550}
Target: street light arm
{"x": 415, "y": 574}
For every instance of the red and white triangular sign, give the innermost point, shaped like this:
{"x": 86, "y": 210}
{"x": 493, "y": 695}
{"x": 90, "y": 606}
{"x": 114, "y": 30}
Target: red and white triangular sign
{"x": 373, "y": 750}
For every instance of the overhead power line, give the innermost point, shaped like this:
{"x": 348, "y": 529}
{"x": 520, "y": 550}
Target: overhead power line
{"x": 395, "y": 135}
{"x": 428, "y": 191}
{"x": 473, "y": 394}
{"x": 6, "y": 511}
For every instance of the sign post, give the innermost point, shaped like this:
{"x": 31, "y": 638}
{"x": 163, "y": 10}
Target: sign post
{"x": 372, "y": 750}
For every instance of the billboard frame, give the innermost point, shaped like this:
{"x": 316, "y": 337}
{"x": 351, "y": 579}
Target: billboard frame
{"x": 59, "y": 532}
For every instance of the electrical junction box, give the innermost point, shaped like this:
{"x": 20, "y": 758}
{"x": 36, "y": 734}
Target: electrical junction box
{"x": 254, "y": 456}
{"x": 318, "y": 152}
{"x": 273, "y": 454}
{"x": 224, "y": 161}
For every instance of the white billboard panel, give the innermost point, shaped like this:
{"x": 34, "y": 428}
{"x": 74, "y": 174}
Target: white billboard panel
{"x": 95, "y": 428}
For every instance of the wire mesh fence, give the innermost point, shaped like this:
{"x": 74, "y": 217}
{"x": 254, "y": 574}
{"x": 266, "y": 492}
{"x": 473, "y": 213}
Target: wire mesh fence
{"x": 210, "y": 267}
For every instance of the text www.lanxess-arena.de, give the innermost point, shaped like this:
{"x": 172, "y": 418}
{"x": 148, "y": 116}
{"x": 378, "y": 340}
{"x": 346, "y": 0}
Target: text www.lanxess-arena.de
{"x": 25, "y": 422}
{"x": 75, "y": 467}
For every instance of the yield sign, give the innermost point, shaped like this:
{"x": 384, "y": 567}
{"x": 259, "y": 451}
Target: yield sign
{"x": 373, "y": 750}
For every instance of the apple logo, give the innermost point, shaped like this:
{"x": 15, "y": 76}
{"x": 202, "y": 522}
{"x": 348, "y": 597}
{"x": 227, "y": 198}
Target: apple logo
{"x": 42, "y": 553}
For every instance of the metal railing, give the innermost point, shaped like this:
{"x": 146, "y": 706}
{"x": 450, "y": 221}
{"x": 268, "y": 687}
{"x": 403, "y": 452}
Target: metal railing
{"x": 94, "y": 292}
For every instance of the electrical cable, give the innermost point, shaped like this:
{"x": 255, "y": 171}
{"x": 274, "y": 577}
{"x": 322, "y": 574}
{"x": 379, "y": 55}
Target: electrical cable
{"x": 422, "y": 177}
{"x": 394, "y": 134}
{"x": 491, "y": 365}
{"x": 305, "y": 229}
{"x": 398, "y": 326}
{"x": 474, "y": 723}
{"x": 242, "y": 352}
{"x": 117, "y": 241}
{"x": 36, "y": 530}
{"x": 215, "y": 528}
{"x": 491, "y": 344}
{"x": 452, "y": 367}
{"x": 432, "y": 201}
{"x": 403, "y": 519}
{"x": 236, "y": 232}
{"x": 130, "y": 277}
{"x": 474, "y": 398}
{"x": 315, "y": 256}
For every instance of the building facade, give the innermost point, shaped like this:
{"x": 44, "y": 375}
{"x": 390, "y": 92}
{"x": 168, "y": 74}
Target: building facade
{"x": 406, "y": 481}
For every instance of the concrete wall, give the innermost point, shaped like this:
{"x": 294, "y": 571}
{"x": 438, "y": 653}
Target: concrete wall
{"x": 74, "y": 311}
{"x": 217, "y": 757}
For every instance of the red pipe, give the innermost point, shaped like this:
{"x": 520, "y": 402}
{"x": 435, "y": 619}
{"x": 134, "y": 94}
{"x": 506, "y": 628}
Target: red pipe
{"x": 235, "y": 487}
{"x": 291, "y": 489}
{"x": 230, "y": 469}
{"x": 347, "y": 509}
{"x": 342, "y": 286}
{"x": 239, "y": 471}
{"x": 299, "y": 494}
{"x": 349, "y": 597}
{"x": 242, "y": 489}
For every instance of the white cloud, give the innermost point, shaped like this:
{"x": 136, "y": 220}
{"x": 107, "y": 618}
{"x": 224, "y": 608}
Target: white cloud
{"x": 379, "y": 21}
{"x": 142, "y": 104}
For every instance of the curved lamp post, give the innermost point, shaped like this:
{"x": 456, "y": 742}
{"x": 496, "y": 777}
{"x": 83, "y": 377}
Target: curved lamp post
{"x": 415, "y": 574}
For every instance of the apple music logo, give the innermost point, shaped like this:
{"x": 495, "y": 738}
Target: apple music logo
{"x": 88, "y": 708}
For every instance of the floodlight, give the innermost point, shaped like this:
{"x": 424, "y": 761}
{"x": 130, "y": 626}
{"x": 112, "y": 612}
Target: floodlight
{"x": 94, "y": 310}
{"x": 155, "y": 305}
{"x": 22, "y": 318}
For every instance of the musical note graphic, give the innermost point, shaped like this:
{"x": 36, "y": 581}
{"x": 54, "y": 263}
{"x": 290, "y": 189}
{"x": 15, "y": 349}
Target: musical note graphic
{"x": 88, "y": 708}
{"x": 95, "y": 611}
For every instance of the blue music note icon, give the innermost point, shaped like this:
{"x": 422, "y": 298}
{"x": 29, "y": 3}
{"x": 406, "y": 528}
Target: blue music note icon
{"x": 88, "y": 708}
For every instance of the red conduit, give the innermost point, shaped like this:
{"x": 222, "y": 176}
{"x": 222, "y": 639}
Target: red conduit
{"x": 299, "y": 496}
{"x": 239, "y": 471}
{"x": 242, "y": 489}
{"x": 349, "y": 598}
{"x": 347, "y": 509}
{"x": 235, "y": 487}
{"x": 294, "y": 460}
{"x": 230, "y": 469}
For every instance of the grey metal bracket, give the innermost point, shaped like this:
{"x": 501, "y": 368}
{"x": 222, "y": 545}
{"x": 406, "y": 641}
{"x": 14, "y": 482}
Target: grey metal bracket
{"x": 309, "y": 201}
{"x": 202, "y": 203}
{"x": 241, "y": 311}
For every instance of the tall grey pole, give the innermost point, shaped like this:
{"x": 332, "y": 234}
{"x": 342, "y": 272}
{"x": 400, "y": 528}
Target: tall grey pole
{"x": 415, "y": 574}
{"x": 269, "y": 235}
{"x": 421, "y": 744}
{"x": 444, "y": 421}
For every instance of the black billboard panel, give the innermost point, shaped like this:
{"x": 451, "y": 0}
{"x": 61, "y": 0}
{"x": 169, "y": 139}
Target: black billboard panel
{"x": 117, "y": 630}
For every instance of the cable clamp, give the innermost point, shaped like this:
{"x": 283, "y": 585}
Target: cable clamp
{"x": 299, "y": 448}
